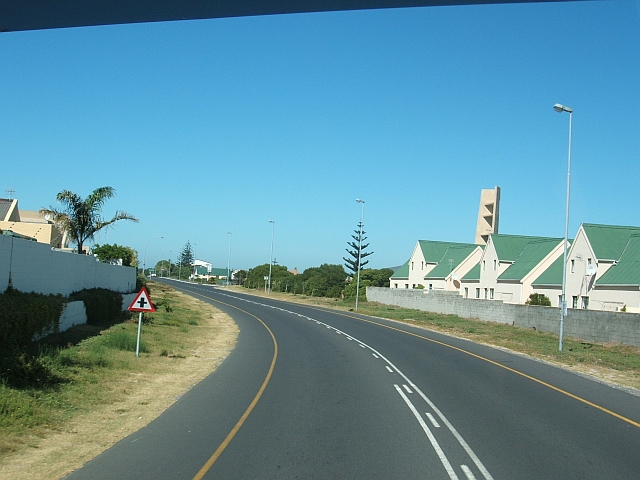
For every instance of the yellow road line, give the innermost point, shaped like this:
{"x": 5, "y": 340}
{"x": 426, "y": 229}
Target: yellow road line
{"x": 548, "y": 385}
{"x": 207, "y": 466}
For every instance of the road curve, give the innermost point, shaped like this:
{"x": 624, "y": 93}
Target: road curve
{"x": 315, "y": 393}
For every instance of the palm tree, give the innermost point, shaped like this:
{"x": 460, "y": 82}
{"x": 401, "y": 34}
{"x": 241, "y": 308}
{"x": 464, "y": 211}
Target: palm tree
{"x": 80, "y": 218}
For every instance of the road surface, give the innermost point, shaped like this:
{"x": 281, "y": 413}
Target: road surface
{"x": 312, "y": 393}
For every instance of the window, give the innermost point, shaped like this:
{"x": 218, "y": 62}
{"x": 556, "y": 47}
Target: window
{"x": 483, "y": 265}
{"x": 573, "y": 265}
{"x": 588, "y": 261}
{"x": 413, "y": 286}
{"x": 491, "y": 293}
{"x": 494, "y": 265}
{"x": 560, "y": 301}
{"x": 486, "y": 291}
{"x": 585, "y": 303}
{"x": 575, "y": 302}
{"x": 421, "y": 265}
{"x": 430, "y": 286}
{"x": 395, "y": 285}
{"x": 477, "y": 293}
{"x": 406, "y": 285}
{"x": 411, "y": 265}
{"x": 466, "y": 292}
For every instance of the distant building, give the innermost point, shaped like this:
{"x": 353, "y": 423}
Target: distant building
{"x": 30, "y": 224}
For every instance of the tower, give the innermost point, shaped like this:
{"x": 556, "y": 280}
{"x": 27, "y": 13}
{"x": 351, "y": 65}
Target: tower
{"x": 488, "y": 215}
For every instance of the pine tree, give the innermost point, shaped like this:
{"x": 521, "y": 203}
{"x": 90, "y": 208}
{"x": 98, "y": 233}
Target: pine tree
{"x": 185, "y": 258}
{"x": 358, "y": 246}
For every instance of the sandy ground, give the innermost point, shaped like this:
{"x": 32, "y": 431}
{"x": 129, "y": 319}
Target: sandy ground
{"x": 147, "y": 397}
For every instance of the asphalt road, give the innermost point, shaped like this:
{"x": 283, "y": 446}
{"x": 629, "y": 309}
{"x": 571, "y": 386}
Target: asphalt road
{"x": 312, "y": 393}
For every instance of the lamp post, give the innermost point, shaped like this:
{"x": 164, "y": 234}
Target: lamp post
{"x": 229, "y": 258}
{"x": 144, "y": 258}
{"x": 359, "y": 251}
{"x": 563, "y": 307}
{"x": 271, "y": 256}
{"x": 170, "y": 255}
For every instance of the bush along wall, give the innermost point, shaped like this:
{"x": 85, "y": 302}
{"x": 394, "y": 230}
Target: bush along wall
{"x": 24, "y": 316}
{"x": 103, "y": 306}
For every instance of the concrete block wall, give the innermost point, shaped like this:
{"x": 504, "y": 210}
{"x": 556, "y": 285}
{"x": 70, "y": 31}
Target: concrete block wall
{"x": 589, "y": 325}
{"x": 34, "y": 267}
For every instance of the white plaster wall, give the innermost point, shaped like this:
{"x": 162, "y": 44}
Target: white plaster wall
{"x": 74, "y": 313}
{"x": 34, "y": 267}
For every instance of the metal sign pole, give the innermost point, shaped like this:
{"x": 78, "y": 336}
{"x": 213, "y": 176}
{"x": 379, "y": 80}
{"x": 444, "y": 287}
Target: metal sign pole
{"x": 139, "y": 328}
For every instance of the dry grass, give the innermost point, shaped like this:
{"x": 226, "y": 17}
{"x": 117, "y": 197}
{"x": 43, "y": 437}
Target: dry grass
{"x": 185, "y": 345}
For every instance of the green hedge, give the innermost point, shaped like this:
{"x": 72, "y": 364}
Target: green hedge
{"x": 26, "y": 315}
{"x": 102, "y": 305}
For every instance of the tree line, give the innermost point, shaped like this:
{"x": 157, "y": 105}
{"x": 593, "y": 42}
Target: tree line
{"x": 327, "y": 280}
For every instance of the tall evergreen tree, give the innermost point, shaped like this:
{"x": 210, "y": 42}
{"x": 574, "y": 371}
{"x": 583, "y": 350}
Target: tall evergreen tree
{"x": 185, "y": 258}
{"x": 357, "y": 246}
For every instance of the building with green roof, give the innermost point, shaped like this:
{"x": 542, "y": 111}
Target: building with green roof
{"x": 434, "y": 264}
{"x": 603, "y": 270}
{"x": 510, "y": 263}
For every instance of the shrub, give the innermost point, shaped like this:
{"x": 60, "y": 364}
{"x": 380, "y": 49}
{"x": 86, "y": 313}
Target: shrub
{"x": 538, "y": 299}
{"x": 24, "y": 316}
{"x": 103, "y": 306}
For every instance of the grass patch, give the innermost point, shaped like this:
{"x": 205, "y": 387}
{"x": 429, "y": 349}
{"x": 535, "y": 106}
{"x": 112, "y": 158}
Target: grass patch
{"x": 72, "y": 372}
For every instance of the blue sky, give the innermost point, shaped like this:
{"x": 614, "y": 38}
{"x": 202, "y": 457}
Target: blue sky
{"x": 206, "y": 127}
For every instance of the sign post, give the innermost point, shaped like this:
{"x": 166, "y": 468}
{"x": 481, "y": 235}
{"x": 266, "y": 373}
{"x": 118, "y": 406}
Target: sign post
{"x": 142, "y": 303}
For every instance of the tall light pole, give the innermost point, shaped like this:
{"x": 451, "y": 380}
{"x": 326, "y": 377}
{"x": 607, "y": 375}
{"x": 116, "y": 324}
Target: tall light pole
{"x": 271, "y": 256}
{"x": 170, "y": 255}
{"x": 144, "y": 258}
{"x": 359, "y": 251}
{"x": 563, "y": 307}
{"x": 229, "y": 258}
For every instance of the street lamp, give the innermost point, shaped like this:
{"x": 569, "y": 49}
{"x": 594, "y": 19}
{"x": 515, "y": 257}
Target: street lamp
{"x": 359, "y": 251}
{"x": 170, "y": 255}
{"x": 563, "y": 307}
{"x": 144, "y": 258}
{"x": 229, "y": 258}
{"x": 271, "y": 257}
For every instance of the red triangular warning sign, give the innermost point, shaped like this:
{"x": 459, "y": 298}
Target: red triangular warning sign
{"x": 142, "y": 302}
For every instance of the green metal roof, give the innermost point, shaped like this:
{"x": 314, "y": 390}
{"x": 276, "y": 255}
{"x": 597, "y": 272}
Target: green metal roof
{"x": 455, "y": 253}
{"x": 473, "y": 274}
{"x": 552, "y": 275}
{"x": 532, "y": 254}
{"x": 509, "y": 247}
{"x": 402, "y": 273}
{"x": 627, "y": 270}
{"x": 433, "y": 250}
{"x": 608, "y": 241}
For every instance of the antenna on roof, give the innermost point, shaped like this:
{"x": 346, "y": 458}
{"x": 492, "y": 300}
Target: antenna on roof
{"x": 10, "y": 191}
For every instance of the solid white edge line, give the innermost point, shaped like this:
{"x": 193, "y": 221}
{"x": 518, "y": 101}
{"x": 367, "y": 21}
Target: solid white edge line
{"x": 434, "y": 443}
{"x": 432, "y": 420}
{"x": 467, "y": 471}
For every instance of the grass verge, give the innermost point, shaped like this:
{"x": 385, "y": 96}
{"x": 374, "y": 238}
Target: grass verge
{"x": 615, "y": 363}
{"x": 98, "y": 391}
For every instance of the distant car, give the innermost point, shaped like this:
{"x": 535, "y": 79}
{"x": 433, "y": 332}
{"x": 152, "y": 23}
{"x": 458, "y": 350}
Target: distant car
{"x": 152, "y": 275}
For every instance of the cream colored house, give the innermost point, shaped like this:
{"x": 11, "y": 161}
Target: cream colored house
{"x": 509, "y": 265}
{"x": 30, "y": 224}
{"x": 426, "y": 256}
{"x": 603, "y": 270}
{"x": 455, "y": 263}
